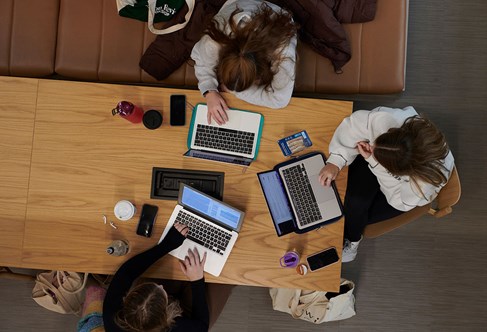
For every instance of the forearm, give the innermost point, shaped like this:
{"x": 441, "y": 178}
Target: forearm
{"x": 343, "y": 145}
{"x": 200, "y": 310}
{"x": 138, "y": 264}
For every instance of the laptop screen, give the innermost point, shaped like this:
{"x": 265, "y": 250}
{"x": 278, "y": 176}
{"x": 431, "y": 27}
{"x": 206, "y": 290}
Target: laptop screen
{"x": 210, "y": 207}
{"x": 276, "y": 197}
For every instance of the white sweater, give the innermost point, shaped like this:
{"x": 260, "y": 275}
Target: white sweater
{"x": 367, "y": 126}
{"x": 205, "y": 55}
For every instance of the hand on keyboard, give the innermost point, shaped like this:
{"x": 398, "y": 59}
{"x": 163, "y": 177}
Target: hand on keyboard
{"x": 183, "y": 229}
{"x": 328, "y": 174}
{"x": 192, "y": 265}
{"x": 217, "y": 107}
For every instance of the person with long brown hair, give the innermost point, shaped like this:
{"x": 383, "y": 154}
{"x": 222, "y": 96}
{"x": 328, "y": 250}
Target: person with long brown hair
{"x": 397, "y": 160}
{"x": 249, "y": 50}
{"x": 147, "y": 307}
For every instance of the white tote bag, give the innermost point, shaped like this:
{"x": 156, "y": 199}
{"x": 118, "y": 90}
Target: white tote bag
{"x": 60, "y": 291}
{"x": 314, "y": 306}
{"x": 172, "y": 28}
{"x": 146, "y": 10}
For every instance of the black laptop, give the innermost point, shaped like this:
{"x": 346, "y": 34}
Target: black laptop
{"x": 296, "y": 200}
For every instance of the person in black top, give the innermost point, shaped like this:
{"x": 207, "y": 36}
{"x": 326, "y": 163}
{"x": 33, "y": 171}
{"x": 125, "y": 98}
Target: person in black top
{"x": 146, "y": 307}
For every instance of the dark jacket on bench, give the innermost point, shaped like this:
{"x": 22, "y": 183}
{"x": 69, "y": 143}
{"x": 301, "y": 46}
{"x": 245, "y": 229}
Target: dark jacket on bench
{"x": 319, "y": 20}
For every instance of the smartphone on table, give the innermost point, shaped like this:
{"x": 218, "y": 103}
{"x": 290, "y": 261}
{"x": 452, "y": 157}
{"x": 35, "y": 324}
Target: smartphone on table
{"x": 177, "y": 109}
{"x": 147, "y": 219}
{"x": 322, "y": 259}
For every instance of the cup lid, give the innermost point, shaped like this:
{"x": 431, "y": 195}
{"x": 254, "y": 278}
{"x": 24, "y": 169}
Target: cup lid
{"x": 124, "y": 210}
{"x": 152, "y": 119}
{"x": 302, "y": 269}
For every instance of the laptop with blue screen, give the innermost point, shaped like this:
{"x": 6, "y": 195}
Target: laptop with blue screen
{"x": 296, "y": 200}
{"x": 213, "y": 227}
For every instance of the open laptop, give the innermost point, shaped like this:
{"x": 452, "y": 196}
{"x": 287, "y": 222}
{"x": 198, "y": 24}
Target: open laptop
{"x": 235, "y": 142}
{"x": 213, "y": 227}
{"x": 296, "y": 199}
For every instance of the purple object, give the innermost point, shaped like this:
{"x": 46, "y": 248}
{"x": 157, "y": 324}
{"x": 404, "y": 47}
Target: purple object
{"x": 128, "y": 111}
{"x": 290, "y": 259}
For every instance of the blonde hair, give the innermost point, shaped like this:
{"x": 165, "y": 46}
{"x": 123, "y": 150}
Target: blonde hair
{"x": 147, "y": 308}
{"x": 251, "y": 52}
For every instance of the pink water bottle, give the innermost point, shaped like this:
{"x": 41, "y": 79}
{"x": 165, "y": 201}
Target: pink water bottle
{"x": 129, "y": 111}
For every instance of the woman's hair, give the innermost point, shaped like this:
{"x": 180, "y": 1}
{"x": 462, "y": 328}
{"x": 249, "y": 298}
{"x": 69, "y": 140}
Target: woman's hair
{"x": 146, "y": 308}
{"x": 416, "y": 149}
{"x": 251, "y": 52}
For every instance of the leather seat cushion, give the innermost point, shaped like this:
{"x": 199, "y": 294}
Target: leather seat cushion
{"x": 94, "y": 43}
{"x": 28, "y": 31}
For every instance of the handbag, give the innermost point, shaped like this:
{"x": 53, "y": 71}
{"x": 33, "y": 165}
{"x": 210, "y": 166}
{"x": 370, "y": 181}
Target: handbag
{"x": 103, "y": 280}
{"x": 315, "y": 306}
{"x": 60, "y": 291}
{"x": 156, "y": 11}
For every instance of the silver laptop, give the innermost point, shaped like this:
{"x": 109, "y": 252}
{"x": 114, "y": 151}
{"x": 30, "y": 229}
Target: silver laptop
{"x": 236, "y": 142}
{"x": 213, "y": 227}
{"x": 296, "y": 199}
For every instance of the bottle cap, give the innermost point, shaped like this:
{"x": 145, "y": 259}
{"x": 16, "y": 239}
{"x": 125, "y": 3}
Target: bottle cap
{"x": 290, "y": 259}
{"x": 123, "y": 108}
{"x": 302, "y": 269}
{"x": 152, "y": 119}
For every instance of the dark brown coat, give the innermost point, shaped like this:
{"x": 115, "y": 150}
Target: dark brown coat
{"x": 320, "y": 24}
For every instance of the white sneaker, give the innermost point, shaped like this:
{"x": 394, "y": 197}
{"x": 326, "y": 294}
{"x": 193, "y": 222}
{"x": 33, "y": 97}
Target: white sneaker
{"x": 350, "y": 250}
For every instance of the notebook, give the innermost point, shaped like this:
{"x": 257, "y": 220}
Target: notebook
{"x": 235, "y": 142}
{"x": 213, "y": 227}
{"x": 296, "y": 200}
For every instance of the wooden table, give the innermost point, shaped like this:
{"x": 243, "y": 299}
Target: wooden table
{"x": 17, "y": 112}
{"x": 83, "y": 160}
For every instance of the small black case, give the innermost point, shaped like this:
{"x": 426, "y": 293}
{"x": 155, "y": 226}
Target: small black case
{"x": 165, "y": 182}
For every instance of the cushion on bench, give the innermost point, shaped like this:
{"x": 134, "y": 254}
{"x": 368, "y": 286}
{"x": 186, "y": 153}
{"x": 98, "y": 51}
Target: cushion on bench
{"x": 28, "y": 32}
{"x": 94, "y": 43}
{"x": 378, "y": 60}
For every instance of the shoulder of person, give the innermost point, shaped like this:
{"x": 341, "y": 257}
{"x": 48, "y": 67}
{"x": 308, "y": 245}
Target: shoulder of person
{"x": 393, "y": 117}
{"x": 392, "y": 111}
{"x": 205, "y": 46}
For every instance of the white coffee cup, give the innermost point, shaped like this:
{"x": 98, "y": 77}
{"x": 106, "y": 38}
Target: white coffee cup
{"x": 124, "y": 210}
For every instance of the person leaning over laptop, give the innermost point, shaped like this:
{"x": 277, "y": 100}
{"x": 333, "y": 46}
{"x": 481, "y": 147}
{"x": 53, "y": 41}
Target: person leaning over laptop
{"x": 398, "y": 160}
{"x": 249, "y": 50}
{"x": 147, "y": 306}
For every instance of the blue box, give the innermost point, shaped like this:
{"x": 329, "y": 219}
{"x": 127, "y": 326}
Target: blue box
{"x": 294, "y": 143}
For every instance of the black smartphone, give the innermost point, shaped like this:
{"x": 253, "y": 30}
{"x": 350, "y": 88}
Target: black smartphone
{"x": 322, "y": 258}
{"x": 147, "y": 219}
{"x": 177, "y": 110}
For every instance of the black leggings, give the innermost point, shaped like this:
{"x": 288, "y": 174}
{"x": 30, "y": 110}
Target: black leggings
{"x": 364, "y": 201}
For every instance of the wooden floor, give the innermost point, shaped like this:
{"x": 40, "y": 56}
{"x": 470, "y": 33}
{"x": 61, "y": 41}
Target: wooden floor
{"x": 428, "y": 276}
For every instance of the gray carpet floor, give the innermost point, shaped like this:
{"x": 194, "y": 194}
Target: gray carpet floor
{"x": 430, "y": 275}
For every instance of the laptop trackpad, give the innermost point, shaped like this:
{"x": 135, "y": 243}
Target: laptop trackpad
{"x": 322, "y": 193}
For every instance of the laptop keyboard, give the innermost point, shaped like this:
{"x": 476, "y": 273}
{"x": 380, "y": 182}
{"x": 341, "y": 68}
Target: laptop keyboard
{"x": 204, "y": 233}
{"x": 224, "y": 139}
{"x": 302, "y": 195}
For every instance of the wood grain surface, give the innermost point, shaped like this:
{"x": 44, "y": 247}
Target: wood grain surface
{"x": 17, "y": 113}
{"x": 84, "y": 160}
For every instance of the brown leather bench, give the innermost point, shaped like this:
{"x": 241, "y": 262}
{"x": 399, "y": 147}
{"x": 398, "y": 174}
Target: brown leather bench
{"x": 87, "y": 40}
{"x": 28, "y": 33}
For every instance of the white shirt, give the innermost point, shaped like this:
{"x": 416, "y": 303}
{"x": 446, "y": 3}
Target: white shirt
{"x": 401, "y": 193}
{"x": 205, "y": 55}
